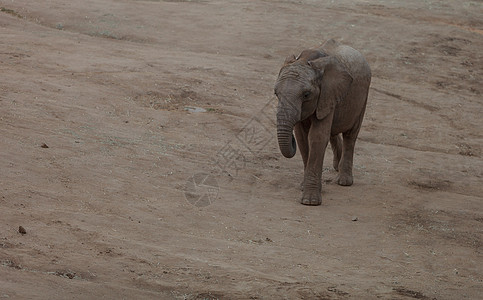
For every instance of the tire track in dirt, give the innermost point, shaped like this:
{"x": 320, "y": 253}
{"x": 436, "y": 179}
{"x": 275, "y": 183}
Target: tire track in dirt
{"x": 427, "y": 107}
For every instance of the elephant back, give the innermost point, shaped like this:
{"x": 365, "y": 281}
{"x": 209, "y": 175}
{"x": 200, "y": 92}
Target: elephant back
{"x": 352, "y": 59}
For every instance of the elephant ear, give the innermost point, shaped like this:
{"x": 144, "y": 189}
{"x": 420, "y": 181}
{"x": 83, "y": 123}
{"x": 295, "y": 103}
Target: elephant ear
{"x": 335, "y": 82}
{"x": 290, "y": 59}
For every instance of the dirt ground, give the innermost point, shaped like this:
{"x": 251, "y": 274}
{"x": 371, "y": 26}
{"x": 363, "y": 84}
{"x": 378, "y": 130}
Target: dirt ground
{"x": 138, "y": 151}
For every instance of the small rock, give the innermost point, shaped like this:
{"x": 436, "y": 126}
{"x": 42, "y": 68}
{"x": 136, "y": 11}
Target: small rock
{"x": 195, "y": 109}
{"x": 268, "y": 240}
{"x": 44, "y": 145}
{"x": 22, "y": 230}
{"x": 355, "y": 219}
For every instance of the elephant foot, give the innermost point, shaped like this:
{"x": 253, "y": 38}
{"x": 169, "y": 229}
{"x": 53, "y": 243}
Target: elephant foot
{"x": 311, "y": 199}
{"x": 301, "y": 187}
{"x": 345, "y": 180}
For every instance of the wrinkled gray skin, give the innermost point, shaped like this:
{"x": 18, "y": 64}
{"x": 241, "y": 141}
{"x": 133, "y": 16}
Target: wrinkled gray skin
{"x": 322, "y": 96}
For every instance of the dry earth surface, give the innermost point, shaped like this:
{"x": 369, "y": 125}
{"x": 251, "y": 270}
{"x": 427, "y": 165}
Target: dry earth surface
{"x": 138, "y": 152}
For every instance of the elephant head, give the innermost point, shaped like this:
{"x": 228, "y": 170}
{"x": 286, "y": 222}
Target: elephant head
{"x": 312, "y": 83}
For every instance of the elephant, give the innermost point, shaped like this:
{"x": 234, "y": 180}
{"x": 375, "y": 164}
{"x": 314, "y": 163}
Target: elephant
{"x": 322, "y": 95}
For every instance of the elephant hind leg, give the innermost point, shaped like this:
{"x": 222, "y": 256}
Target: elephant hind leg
{"x": 345, "y": 173}
{"x": 336, "y": 144}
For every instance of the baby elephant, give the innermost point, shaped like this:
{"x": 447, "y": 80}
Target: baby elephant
{"x": 322, "y": 96}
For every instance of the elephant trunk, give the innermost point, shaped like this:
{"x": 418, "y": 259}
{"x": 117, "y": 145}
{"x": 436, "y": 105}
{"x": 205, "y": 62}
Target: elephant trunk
{"x": 286, "y": 140}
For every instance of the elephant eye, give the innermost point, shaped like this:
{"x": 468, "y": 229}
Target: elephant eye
{"x": 306, "y": 94}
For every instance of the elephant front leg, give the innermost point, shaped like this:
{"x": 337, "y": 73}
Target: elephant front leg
{"x": 301, "y": 134}
{"x": 318, "y": 138}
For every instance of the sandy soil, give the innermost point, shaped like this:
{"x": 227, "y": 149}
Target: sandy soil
{"x": 124, "y": 193}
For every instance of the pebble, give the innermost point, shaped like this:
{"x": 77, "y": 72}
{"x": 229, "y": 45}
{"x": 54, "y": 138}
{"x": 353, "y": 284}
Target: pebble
{"x": 195, "y": 109}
